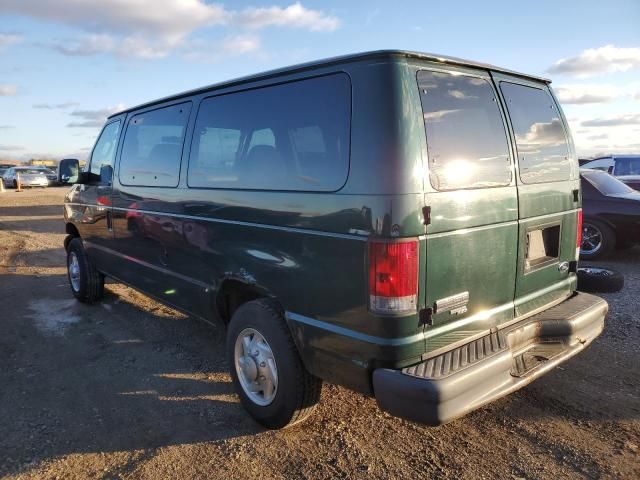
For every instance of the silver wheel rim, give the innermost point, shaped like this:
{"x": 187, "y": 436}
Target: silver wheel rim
{"x": 591, "y": 239}
{"x": 74, "y": 271}
{"x": 256, "y": 367}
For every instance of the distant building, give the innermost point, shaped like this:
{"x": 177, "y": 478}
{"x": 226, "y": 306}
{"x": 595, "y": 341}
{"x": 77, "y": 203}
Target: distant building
{"x": 43, "y": 162}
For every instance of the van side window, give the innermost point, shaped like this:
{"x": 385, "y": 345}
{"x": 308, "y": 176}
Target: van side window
{"x": 104, "y": 151}
{"x": 153, "y": 147}
{"x": 293, "y": 136}
{"x": 543, "y": 152}
{"x": 466, "y": 138}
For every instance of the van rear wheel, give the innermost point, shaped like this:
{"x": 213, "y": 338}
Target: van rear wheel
{"x": 87, "y": 283}
{"x": 268, "y": 375}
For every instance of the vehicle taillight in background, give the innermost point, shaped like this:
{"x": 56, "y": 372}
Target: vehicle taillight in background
{"x": 579, "y": 233}
{"x": 393, "y": 276}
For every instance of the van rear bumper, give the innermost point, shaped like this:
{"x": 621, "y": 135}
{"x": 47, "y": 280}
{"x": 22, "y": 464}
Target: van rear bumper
{"x": 458, "y": 381}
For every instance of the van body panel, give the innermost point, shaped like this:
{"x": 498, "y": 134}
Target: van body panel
{"x": 545, "y": 206}
{"x": 472, "y": 235}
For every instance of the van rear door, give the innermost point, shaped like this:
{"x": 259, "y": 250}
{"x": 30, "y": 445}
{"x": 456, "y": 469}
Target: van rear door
{"x": 471, "y": 194}
{"x": 548, "y": 193}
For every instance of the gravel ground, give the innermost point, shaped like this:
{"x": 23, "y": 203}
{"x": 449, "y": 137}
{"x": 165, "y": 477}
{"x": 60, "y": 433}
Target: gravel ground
{"x": 132, "y": 389}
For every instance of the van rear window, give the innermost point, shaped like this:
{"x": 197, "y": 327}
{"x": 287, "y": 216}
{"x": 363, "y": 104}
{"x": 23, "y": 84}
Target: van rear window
{"x": 466, "y": 138}
{"x": 293, "y": 136}
{"x": 543, "y": 152}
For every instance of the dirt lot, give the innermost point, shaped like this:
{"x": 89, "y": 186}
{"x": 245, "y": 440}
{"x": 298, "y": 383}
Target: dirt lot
{"x": 131, "y": 389}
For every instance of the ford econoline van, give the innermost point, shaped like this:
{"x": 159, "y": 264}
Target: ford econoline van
{"x": 404, "y": 224}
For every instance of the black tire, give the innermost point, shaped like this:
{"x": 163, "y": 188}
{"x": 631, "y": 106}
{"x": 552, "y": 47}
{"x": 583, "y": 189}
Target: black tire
{"x": 91, "y": 281}
{"x": 297, "y": 392}
{"x": 607, "y": 243}
{"x": 599, "y": 280}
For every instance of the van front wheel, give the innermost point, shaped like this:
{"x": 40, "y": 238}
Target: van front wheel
{"x": 87, "y": 283}
{"x": 268, "y": 375}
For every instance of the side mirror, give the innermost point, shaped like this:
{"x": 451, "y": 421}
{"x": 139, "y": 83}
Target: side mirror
{"x": 69, "y": 171}
{"x": 106, "y": 174}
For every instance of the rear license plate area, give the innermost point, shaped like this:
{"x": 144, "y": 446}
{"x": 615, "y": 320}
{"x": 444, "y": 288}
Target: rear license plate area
{"x": 542, "y": 246}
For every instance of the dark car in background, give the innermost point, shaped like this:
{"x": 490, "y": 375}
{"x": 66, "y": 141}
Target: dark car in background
{"x": 625, "y": 168}
{"x": 611, "y": 214}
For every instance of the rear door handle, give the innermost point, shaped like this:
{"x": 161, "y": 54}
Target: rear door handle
{"x": 576, "y": 195}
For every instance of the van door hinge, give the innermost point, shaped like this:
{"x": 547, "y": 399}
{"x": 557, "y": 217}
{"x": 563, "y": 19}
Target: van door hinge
{"x": 426, "y": 316}
{"x": 426, "y": 215}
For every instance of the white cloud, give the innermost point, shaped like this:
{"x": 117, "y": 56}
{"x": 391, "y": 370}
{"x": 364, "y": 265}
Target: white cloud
{"x": 169, "y": 19}
{"x": 8, "y": 90}
{"x": 56, "y": 106}
{"x": 7, "y": 39}
{"x": 295, "y": 15}
{"x": 11, "y": 148}
{"x": 205, "y": 51}
{"x": 595, "y": 61}
{"x": 589, "y": 93}
{"x": 94, "y": 118}
{"x": 613, "y": 121}
{"x": 96, "y": 44}
{"x": 154, "y": 28}
{"x": 599, "y": 136}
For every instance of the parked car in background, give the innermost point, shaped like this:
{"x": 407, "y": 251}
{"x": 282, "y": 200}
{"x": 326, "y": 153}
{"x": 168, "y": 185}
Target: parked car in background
{"x": 611, "y": 214}
{"x": 29, "y": 177}
{"x": 625, "y": 168}
{"x": 52, "y": 177}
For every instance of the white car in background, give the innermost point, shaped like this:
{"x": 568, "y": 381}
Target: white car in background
{"x": 29, "y": 177}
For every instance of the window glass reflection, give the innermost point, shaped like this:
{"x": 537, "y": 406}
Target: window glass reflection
{"x": 543, "y": 153}
{"x": 466, "y": 141}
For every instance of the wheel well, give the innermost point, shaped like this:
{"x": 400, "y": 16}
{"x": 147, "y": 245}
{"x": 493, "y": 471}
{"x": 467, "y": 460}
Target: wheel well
{"x": 72, "y": 232}
{"x": 234, "y": 293}
{"x": 604, "y": 221}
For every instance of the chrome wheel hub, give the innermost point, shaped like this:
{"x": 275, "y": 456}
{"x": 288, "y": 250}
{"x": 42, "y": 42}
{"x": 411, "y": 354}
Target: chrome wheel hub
{"x": 591, "y": 239}
{"x": 74, "y": 271}
{"x": 256, "y": 367}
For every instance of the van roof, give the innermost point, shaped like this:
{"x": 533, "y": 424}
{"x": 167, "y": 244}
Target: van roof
{"x": 334, "y": 61}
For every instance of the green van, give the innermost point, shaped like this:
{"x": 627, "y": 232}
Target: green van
{"x": 404, "y": 224}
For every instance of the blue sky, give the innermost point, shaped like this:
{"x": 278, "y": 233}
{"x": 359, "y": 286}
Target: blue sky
{"x": 65, "y": 64}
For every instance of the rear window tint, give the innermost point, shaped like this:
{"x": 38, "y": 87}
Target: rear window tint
{"x": 543, "y": 152}
{"x": 627, "y": 166}
{"x": 293, "y": 136}
{"x": 466, "y": 139}
{"x": 152, "y": 147}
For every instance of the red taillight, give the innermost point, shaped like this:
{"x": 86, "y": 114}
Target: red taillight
{"x": 393, "y": 276}
{"x": 579, "y": 229}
